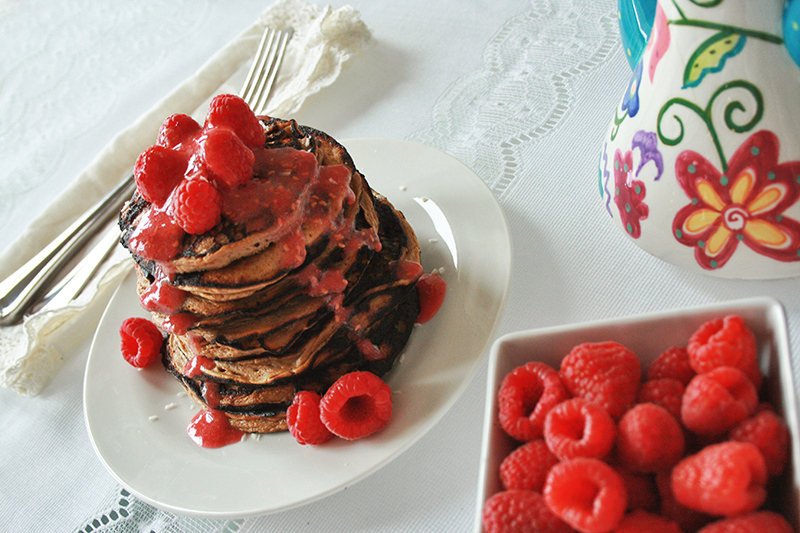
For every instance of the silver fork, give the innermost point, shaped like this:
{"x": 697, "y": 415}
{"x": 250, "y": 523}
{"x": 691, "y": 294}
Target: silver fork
{"x": 23, "y": 289}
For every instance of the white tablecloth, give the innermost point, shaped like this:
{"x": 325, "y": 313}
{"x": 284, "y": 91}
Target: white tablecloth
{"x": 520, "y": 91}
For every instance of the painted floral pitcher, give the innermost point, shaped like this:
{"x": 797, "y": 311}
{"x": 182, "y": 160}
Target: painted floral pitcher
{"x": 701, "y": 163}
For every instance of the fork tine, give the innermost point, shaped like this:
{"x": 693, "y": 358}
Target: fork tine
{"x": 257, "y": 65}
{"x": 269, "y": 71}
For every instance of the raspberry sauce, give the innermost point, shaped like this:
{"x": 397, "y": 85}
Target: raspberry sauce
{"x": 179, "y": 323}
{"x": 196, "y": 365}
{"x": 157, "y": 236}
{"x": 431, "y": 289}
{"x": 210, "y": 428}
{"x": 321, "y": 283}
{"x": 162, "y": 297}
{"x": 370, "y": 351}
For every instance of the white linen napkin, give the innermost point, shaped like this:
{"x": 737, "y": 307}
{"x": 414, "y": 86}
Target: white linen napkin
{"x": 324, "y": 38}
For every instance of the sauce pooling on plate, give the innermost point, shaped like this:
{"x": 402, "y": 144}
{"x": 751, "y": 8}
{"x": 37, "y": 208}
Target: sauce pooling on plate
{"x": 210, "y": 428}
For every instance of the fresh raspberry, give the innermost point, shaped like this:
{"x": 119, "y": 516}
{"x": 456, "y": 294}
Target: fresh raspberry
{"x": 717, "y": 401}
{"x": 231, "y": 111}
{"x": 526, "y": 394}
{"x": 227, "y": 157}
{"x": 640, "y": 521}
{"x": 526, "y": 467}
{"x": 672, "y": 363}
{"x": 666, "y": 392}
{"x": 769, "y": 433}
{"x": 157, "y": 172}
{"x": 304, "y": 421}
{"x": 176, "y": 130}
{"x": 688, "y": 519}
{"x": 520, "y": 511}
{"x": 197, "y": 206}
{"x": 606, "y": 373}
{"x": 357, "y": 405}
{"x": 757, "y": 522}
{"x": 141, "y": 341}
{"x": 722, "y": 479}
{"x": 650, "y": 439}
{"x": 579, "y": 428}
{"x": 587, "y": 494}
{"x": 431, "y": 289}
{"x": 725, "y": 342}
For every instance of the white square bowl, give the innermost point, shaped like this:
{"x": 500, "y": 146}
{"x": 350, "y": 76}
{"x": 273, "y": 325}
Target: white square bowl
{"x": 646, "y": 335}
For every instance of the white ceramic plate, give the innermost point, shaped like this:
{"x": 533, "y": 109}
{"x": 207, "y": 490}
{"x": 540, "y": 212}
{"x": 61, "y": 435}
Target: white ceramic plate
{"x": 460, "y": 227}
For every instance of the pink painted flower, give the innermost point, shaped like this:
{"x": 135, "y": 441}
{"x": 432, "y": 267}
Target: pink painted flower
{"x": 629, "y": 194}
{"x": 659, "y": 40}
{"x": 743, "y": 205}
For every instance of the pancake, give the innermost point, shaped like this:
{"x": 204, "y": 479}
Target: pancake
{"x": 307, "y": 275}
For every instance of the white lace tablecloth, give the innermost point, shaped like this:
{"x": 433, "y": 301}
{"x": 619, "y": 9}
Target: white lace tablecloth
{"x": 521, "y": 91}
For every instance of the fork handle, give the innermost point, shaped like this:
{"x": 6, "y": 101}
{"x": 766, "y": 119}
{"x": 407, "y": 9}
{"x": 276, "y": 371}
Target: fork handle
{"x": 19, "y": 289}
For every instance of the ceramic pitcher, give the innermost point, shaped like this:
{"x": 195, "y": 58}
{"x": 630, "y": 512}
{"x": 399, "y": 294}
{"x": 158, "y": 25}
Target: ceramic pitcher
{"x": 701, "y": 163}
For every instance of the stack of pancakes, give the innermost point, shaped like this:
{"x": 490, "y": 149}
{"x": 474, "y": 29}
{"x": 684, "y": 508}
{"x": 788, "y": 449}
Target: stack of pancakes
{"x": 260, "y": 327}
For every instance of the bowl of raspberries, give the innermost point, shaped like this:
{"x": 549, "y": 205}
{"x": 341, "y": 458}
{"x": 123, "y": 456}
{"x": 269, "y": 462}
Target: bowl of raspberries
{"x": 681, "y": 421}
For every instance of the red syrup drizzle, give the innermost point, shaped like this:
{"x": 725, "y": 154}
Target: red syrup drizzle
{"x": 370, "y": 351}
{"x": 196, "y": 365}
{"x": 161, "y": 296}
{"x": 431, "y": 289}
{"x": 321, "y": 283}
{"x": 210, "y": 428}
{"x": 179, "y": 323}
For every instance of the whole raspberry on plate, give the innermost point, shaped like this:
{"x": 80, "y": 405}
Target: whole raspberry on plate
{"x": 526, "y": 467}
{"x": 606, "y": 373}
{"x": 520, "y": 511}
{"x": 587, "y": 494}
{"x": 303, "y": 419}
{"x": 579, "y": 428}
{"x": 722, "y": 479}
{"x": 357, "y": 405}
{"x": 231, "y": 111}
{"x": 757, "y": 522}
{"x": 157, "y": 172}
{"x": 725, "y": 342}
{"x": 196, "y": 206}
{"x": 769, "y": 433}
{"x": 526, "y": 395}
{"x": 141, "y": 341}
{"x": 650, "y": 439}
{"x": 672, "y": 363}
{"x": 716, "y": 401}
